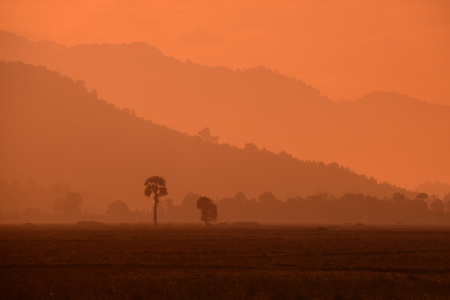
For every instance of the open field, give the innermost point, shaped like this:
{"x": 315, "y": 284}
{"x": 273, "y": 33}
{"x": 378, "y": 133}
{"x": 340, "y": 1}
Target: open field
{"x": 139, "y": 261}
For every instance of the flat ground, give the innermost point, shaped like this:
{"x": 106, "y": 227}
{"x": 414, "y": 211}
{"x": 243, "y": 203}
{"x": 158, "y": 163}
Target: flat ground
{"x": 125, "y": 261}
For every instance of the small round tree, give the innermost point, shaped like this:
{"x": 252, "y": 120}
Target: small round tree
{"x": 209, "y": 210}
{"x": 157, "y": 186}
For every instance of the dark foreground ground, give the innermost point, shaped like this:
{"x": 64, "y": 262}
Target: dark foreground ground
{"x": 223, "y": 262}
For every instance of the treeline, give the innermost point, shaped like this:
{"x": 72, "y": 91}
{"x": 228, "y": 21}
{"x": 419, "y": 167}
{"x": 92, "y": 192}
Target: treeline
{"x": 322, "y": 208}
{"x": 67, "y": 206}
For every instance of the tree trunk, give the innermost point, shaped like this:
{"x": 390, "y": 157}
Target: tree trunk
{"x": 155, "y": 206}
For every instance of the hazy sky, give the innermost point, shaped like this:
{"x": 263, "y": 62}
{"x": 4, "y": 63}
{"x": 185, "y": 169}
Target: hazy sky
{"x": 343, "y": 48}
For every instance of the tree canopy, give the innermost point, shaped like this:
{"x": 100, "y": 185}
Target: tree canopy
{"x": 208, "y": 208}
{"x": 155, "y": 185}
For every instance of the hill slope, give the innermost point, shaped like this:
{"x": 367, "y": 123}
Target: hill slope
{"x": 53, "y": 129}
{"x": 385, "y": 135}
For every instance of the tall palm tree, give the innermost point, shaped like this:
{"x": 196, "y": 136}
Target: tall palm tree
{"x": 157, "y": 186}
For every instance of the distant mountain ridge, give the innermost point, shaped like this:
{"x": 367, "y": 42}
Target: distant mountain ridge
{"x": 435, "y": 188}
{"x": 389, "y": 136}
{"x": 52, "y": 129}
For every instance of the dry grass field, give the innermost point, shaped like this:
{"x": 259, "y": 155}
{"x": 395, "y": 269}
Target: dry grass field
{"x": 139, "y": 261}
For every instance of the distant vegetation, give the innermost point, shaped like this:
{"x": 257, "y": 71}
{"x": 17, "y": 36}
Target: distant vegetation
{"x": 320, "y": 208}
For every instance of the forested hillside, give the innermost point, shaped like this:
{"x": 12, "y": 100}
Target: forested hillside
{"x": 392, "y": 137}
{"x": 54, "y": 130}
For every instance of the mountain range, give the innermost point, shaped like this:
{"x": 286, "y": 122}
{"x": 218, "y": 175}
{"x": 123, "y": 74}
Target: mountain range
{"x": 388, "y": 136}
{"x": 53, "y": 129}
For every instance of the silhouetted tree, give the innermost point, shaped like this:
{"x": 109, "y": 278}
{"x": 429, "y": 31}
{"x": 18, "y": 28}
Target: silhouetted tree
{"x": 206, "y": 136}
{"x": 157, "y": 186}
{"x": 398, "y": 199}
{"x": 118, "y": 210}
{"x": 422, "y": 196}
{"x": 251, "y": 147}
{"x": 267, "y": 199}
{"x": 209, "y": 210}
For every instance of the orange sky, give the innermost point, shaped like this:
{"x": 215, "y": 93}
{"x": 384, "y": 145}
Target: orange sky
{"x": 343, "y": 48}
